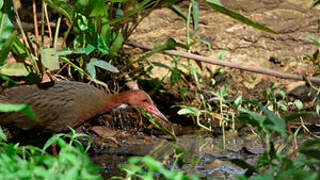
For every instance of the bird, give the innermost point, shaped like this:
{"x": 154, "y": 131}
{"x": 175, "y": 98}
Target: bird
{"x": 67, "y": 104}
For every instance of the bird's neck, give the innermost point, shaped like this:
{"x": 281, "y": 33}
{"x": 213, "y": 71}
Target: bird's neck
{"x": 116, "y": 101}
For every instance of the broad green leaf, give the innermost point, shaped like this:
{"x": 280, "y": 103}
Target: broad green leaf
{"x": 64, "y": 53}
{"x": 63, "y": 6}
{"x": 14, "y": 69}
{"x": 119, "y": 13}
{"x": 298, "y": 104}
{"x": 238, "y": 101}
{"x": 6, "y": 22}
{"x": 85, "y": 7}
{"x": 6, "y": 48}
{"x": 91, "y": 70}
{"x": 116, "y": 45}
{"x": 239, "y": 17}
{"x": 184, "y": 111}
{"x": 254, "y": 115}
{"x": 1, "y": 3}
{"x": 89, "y": 49}
{"x": 79, "y": 51}
{"x": 49, "y": 58}
{"x": 278, "y": 124}
{"x": 82, "y": 22}
{"x": 24, "y": 108}
{"x": 100, "y": 8}
{"x": 104, "y": 65}
{"x": 102, "y": 45}
{"x": 105, "y": 34}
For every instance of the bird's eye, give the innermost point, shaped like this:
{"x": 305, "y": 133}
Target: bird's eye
{"x": 145, "y": 100}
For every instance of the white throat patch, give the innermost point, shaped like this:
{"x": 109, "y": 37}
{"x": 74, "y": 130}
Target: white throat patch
{"x": 122, "y": 106}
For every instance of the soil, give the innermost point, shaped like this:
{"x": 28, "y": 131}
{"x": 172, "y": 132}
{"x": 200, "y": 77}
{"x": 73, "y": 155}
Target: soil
{"x": 284, "y": 52}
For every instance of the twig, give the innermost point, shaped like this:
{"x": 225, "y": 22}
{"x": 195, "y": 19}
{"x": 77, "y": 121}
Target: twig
{"x": 28, "y": 48}
{"x": 36, "y": 29}
{"x": 213, "y": 60}
{"x": 48, "y": 22}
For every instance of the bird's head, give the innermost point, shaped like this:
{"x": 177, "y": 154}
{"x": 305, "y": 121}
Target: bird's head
{"x": 140, "y": 99}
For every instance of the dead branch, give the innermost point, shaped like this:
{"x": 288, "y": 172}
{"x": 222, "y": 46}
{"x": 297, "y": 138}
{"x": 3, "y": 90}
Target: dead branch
{"x": 215, "y": 61}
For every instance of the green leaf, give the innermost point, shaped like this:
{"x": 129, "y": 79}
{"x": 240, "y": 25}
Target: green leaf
{"x": 184, "y": 111}
{"x": 314, "y": 3}
{"x": 19, "y": 49}
{"x": 6, "y": 22}
{"x": 295, "y": 115}
{"x": 49, "y": 58}
{"x": 101, "y": 45}
{"x": 215, "y": 2}
{"x": 175, "y": 76}
{"x": 257, "y": 117}
{"x": 100, "y": 8}
{"x": 119, "y": 13}
{"x": 278, "y": 124}
{"x": 116, "y": 44}
{"x": 238, "y": 101}
{"x": 161, "y": 65}
{"x": 14, "y": 69}
{"x": 82, "y": 22}
{"x": 169, "y": 45}
{"x": 195, "y": 14}
{"x": 24, "y": 108}
{"x": 103, "y": 64}
{"x": 179, "y": 12}
{"x": 6, "y": 47}
{"x": 298, "y": 104}
{"x": 239, "y": 17}
{"x": 89, "y": 49}
{"x": 92, "y": 70}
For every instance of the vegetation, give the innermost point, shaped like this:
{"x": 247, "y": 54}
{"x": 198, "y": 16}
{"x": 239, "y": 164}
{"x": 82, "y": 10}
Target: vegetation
{"x": 86, "y": 45}
{"x": 30, "y": 162}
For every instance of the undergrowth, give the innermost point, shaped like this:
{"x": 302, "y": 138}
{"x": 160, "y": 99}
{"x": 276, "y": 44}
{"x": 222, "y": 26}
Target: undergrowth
{"x": 85, "y": 44}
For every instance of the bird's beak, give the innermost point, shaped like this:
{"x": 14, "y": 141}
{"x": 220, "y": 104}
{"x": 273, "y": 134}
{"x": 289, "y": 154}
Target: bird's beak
{"x": 155, "y": 111}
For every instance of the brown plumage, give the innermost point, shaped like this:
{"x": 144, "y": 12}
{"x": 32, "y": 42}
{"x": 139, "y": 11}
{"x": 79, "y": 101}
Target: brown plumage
{"x": 69, "y": 103}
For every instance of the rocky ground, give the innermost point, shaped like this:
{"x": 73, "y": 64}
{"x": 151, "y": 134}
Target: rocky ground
{"x": 284, "y": 52}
